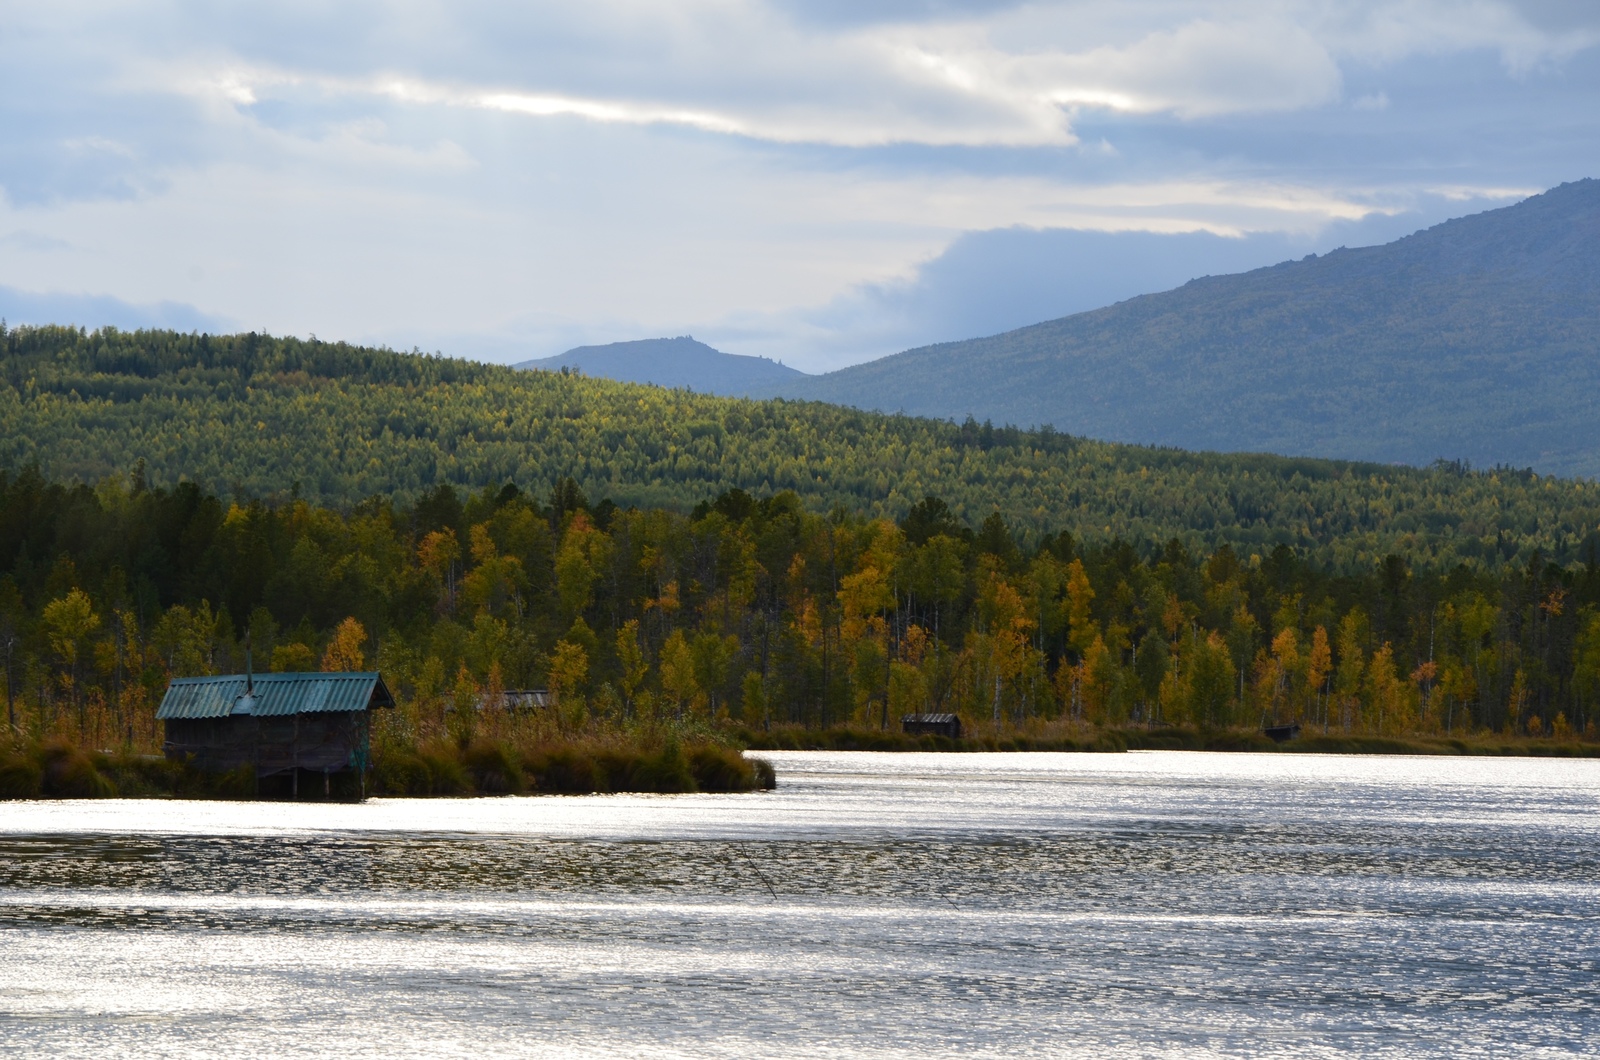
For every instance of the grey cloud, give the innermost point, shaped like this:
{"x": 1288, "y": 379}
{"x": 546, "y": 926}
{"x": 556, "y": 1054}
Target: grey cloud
{"x": 1559, "y": 16}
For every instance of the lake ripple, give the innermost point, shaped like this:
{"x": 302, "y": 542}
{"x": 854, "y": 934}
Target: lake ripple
{"x": 1151, "y": 904}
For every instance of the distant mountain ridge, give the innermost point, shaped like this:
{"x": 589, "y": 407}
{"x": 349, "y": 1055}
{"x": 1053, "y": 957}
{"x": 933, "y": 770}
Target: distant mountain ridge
{"x": 677, "y": 362}
{"x": 1478, "y": 338}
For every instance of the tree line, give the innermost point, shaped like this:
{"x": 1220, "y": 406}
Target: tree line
{"x": 757, "y": 612}
{"x": 257, "y": 416}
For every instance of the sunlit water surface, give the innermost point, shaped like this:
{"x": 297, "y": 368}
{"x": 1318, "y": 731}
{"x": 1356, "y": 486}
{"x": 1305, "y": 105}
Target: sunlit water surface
{"x": 1148, "y": 904}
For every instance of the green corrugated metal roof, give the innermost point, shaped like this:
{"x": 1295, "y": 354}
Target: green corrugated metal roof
{"x": 275, "y": 694}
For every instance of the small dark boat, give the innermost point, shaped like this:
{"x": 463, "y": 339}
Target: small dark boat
{"x": 1280, "y": 733}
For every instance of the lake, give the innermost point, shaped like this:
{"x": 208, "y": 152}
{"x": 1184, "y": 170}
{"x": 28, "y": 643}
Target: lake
{"x": 883, "y": 905}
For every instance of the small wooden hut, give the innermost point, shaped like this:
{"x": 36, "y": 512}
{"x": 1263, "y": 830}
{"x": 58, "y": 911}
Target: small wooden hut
{"x": 938, "y": 724}
{"x": 290, "y": 728}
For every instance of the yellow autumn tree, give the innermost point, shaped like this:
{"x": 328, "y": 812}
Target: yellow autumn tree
{"x": 631, "y": 662}
{"x": 1286, "y": 660}
{"x": 293, "y": 658}
{"x": 1319, "y": 664}
{"x": 69, "y": 622}
{"x": 1351, "y": 668}
{"x": 578, "y": 564}
{"x": 569, "y": 671}
{"x": 678, "y": 682}
{"x": 1003, "y": 645}
{"x": 1388, "y": 707}
{"x": 344, "y": 652}
{"x": 1081, "y": 631}
{"x": 437, "y": 553}
{"x": 494, "y": 579}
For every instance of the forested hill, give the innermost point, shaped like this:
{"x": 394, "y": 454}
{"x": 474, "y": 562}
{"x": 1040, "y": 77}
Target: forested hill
{"x": 672, "y": 362}
{"x": 254, "y": 416}
{"x": 1477, "y": 339}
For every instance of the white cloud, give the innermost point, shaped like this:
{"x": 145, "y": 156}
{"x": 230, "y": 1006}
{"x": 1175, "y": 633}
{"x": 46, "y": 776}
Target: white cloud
{"x": 517, "y": 178}
{"x": 1009, "y": 79}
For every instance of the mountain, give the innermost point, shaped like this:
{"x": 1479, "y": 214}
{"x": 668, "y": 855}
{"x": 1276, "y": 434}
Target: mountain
{"x": 680, "y": 362}
{"x": 1478, "y": 339}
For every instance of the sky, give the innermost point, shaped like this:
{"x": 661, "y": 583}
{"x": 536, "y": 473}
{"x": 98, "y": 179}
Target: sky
{"x": 820, "y": 182}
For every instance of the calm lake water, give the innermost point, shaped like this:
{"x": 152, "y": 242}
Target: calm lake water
{"x": 1147, "y": 904}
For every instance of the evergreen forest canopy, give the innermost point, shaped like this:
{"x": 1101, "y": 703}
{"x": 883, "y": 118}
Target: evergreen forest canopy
{"x": 755, "y": 612}
{"x": 1478, "y": 338}
{"x": 252, "y": 416}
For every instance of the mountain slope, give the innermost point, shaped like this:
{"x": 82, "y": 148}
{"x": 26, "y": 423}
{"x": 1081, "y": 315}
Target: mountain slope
{"x": 679, "y": 362}
{"x": 1475, "y": 339}
{"x": 253, "y": 415}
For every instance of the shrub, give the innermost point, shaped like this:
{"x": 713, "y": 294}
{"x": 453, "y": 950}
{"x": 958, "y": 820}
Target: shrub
{"x": 401, "y": 773}
{"x": 446, "y": 774}
{"x": 493, "y": 769}
{"x": 21, "y": 777}
{"x": 667, "y": 771}
{"x": 569, "y": 771}
{"x": 719, "y": 769}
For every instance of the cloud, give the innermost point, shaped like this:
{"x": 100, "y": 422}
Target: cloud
{"x": 937, "y": 74}
{"x": 510, "y": 180}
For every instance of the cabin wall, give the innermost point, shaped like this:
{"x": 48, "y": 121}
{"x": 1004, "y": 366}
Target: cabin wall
{"x": 325, "y": 742}
{"x": 951, "y": 729}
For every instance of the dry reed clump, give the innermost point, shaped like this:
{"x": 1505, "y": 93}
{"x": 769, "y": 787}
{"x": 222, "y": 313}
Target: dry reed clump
{"x": 69, "y": 773}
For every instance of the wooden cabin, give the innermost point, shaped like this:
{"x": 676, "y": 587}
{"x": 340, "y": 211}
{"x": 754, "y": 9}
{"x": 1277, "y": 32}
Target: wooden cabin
{"x": 938, "y": 724}
{"x": 292, "y": 729}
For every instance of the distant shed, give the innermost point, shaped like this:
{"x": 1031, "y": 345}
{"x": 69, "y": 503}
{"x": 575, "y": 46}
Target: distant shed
{"x": 517, "y": 700}
{"x": 284, "y": 726}
{"x": 938, "y": 724}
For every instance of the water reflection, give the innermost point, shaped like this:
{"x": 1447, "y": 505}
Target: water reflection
{"x": 1157, "y": 904}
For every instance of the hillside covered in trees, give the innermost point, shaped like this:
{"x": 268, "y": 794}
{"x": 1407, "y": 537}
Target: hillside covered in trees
{"x": 250, "y": 416}
{"x": 753, "y": 612}
{"x": 1476, "y": 339}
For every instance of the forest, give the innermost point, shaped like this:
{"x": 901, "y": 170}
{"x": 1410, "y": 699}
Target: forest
{"x": 281, "y": 420}
{"x": 754, "y": 613}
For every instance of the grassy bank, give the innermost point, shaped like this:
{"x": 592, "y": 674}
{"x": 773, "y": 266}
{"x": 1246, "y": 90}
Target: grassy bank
{"x": 59, "y": 769}
{"x": 1184, "y": 739}
{"x": 1165, "y": 739}
{"x": 845, "y": 739}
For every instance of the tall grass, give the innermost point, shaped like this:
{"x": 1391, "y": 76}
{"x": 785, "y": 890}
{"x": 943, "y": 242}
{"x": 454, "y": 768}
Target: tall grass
{"x": 579, "y": 767}
{"x": 60, "y": 769}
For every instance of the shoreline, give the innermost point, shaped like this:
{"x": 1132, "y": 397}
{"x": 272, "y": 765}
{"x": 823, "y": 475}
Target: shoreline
{"x": 59, "y": 769}
{"x": 1116, "y": 741}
